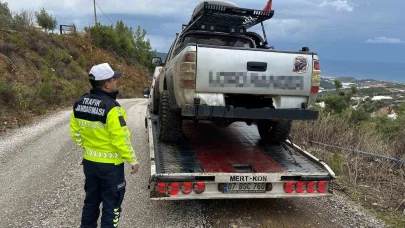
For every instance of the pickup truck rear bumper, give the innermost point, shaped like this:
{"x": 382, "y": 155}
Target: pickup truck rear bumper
{"x": 244, "y": 113}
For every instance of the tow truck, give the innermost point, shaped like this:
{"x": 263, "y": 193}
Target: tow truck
{"x": 210, "y": 161}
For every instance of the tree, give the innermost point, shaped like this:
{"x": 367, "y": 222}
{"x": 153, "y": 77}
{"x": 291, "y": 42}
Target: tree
{"x": 338, "y": 84}
{"x": 353, "y": 89}
{"x": 22, "y": 20}
{"x": 46, "y": 20}
{"x": 5, "y": 16}
{"x": 126, "y": 43}
{"x": 143, "y": 48}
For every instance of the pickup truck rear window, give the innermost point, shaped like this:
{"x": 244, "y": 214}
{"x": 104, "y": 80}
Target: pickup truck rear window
{"x": 228, "y": 41}
{"x": 209, "y": 39}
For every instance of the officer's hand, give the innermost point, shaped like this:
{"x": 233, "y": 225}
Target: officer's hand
{"x": 135, "y": 168}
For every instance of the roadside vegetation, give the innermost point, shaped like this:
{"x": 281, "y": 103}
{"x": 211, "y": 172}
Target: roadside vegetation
{"x": 41, "y": 71}
{"x": 376, "y": 183}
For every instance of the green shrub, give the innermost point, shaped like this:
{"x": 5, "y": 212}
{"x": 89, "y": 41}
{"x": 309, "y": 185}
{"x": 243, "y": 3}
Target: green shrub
{"x": 74, "y": 53}
{"x": 73, "y": 71}
{"x": 17, "y": 43}
{"x": 336, "y": 103}
{"x": 3, "y": 87}
{"x": 23, "y": 94}
{"x": 51, "y": 58}
{"x": 47, "y": 74}
{"x": 45, "y": 91}
{"x": 67, "y": 90}
{"x": 82, "y": 61}
{"x": 336, "y": 162}
{"x": 38, "y": 42}
{"x": 357, "y": 116}
{"x": 37, "y": 60}
{"x": 64, "y": 57}
{"x": 387, "y": 127}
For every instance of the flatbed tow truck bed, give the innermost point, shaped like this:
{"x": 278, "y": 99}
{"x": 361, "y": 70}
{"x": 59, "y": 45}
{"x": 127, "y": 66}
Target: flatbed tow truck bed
{"x": 233, "y": 162}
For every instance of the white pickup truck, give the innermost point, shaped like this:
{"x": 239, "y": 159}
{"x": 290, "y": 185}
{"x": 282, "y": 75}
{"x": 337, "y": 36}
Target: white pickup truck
{"x": 219, "y": 71}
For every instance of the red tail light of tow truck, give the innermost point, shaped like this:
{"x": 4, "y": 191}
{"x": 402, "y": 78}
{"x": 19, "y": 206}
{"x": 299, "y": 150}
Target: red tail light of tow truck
{"x": 300, "y": 187}
{"x": 289, "y": 187}
{"x": 199, "y": 187}
{"x": 309, "y": 187}
{"x": 322, "y": 185}
{"x": 161, "y": 188}
{"x": 187, "y": 188}
{"x": 174, "y": 188}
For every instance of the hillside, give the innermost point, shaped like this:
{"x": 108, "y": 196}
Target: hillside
{"x": 42, "y": 72}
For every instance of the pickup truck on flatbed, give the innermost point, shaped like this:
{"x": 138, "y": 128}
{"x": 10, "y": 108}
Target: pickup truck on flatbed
{"x": 217, "y": 70}
{"x": 220, "y": 153}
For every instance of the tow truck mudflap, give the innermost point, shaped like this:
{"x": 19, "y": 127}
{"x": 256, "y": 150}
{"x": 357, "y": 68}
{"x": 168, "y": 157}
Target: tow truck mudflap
{"x": 244, "y": 113}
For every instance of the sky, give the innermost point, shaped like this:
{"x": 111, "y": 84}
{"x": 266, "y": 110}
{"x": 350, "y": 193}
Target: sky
{"x": 370, "y": 31}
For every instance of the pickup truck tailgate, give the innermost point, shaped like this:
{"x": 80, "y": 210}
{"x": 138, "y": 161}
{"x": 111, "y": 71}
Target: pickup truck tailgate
{"x": 253, "y": 71}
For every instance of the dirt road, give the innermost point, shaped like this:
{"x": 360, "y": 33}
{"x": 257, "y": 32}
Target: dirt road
{"x": 41, "y": 185}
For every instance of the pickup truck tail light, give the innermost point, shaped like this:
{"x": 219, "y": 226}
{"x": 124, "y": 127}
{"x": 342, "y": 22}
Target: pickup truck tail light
{"x": 316, "y": 77}
{"x": 315, "y": 82}
{"x": 187, "y": 70}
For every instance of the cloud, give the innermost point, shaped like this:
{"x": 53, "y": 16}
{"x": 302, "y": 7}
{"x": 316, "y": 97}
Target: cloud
{"x": 160, "y": 43}
{"x": 283, "y": 28}
{"x": 384, "y": 40}
{"x": 338, "y": 5}
{"x": 85, "y": 7}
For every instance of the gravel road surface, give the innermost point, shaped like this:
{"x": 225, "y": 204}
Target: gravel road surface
{"x": 41, "y": 185}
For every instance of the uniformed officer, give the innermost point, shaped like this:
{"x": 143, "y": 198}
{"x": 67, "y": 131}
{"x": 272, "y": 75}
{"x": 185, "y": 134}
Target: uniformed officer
{"x": 98, "y": 126}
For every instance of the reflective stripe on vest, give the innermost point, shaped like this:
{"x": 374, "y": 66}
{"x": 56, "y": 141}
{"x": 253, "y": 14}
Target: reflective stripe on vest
{"x": 101, "y": 154}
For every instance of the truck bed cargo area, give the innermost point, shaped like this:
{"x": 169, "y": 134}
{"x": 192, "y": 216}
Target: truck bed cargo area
{"x": 238, "y": 148}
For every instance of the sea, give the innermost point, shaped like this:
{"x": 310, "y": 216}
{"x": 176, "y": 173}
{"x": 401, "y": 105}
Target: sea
{"x": 382, "y": 71}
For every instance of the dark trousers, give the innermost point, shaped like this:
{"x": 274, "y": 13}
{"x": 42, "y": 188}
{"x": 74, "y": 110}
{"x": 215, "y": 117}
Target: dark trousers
{"x": 104, "y": 183}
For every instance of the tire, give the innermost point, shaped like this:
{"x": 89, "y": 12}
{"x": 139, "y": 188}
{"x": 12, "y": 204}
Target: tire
{"x": 169, "y": 124}
{"x": 155, "y": 107}
{"x": 273, "y": 132}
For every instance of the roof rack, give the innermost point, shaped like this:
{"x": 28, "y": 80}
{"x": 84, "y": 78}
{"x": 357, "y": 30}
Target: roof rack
{"x": 220, "y": 18}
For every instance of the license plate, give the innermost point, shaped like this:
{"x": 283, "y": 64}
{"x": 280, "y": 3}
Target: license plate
{"x": 245, "y": 188}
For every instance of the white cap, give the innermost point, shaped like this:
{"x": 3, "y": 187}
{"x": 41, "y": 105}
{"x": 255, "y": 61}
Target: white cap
{"x": 103, "y": 72}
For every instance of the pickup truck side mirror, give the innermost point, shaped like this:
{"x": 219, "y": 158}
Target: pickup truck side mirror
{"x": 146, "y": 92}
{"x": 156, "y": 61}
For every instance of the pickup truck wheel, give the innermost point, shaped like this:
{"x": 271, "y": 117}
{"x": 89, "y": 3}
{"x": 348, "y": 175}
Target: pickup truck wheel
{"x": 155, "y": 107}
{"x": 272, "y": 132}
{"x": 169, "y": 124}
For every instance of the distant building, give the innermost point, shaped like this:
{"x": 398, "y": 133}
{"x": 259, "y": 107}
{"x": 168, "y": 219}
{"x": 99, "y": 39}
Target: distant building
{"x": 347, "y": 85}
{"x": 378, "y": 98}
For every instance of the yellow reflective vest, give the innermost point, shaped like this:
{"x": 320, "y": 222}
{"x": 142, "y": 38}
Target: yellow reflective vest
{"x": 98, "y": 125}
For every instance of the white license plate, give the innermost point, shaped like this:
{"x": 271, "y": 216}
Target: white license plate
{"x": 245, "y": 188}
